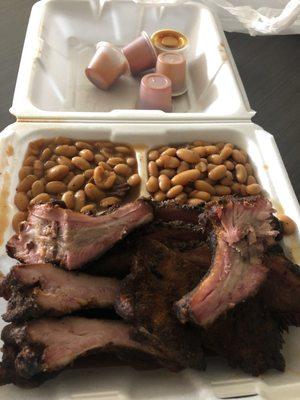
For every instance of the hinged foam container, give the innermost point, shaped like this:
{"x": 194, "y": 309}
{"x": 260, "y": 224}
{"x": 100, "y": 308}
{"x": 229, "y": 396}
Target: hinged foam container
{"x": 124, "y": 383}
{"x": 60, "y": 41}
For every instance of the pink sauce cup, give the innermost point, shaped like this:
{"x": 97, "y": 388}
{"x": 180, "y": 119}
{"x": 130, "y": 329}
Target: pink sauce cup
{"x": 173, "y": 65}
{"x": 141, "y": 54}
{"x": 155, "y": 93}
{"x": 106, "y": 66}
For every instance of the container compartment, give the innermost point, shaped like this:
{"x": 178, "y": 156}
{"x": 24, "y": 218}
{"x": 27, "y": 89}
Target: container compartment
{"x": 61, "y": 40}
{"x": 124, "y": 382}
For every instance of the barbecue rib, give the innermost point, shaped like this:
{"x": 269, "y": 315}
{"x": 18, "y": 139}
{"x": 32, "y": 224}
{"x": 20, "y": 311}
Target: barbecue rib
{"x": 281, "y": 291}
{"x": 239, "y": 229}
{"x": 37, "y": 350}
{"x": 70, "y": 239}
{"x": 42, "y": 289}
{"x": 159, "y": 277}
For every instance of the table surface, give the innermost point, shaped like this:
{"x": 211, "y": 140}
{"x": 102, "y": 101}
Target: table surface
{"x": 269, "y": 68}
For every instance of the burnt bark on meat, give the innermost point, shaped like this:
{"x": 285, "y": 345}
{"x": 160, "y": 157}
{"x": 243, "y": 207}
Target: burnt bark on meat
{"x": 159, "y": 277}
{"x": 239, "y": 229}
{"x": 42, "y": 289}
{"x": 248, "y": 337}
{"x": 38, "y": 350}
{"x": 70, "y": 239}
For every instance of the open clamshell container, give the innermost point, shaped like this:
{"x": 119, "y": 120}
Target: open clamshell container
{"x": 54, "y": 98}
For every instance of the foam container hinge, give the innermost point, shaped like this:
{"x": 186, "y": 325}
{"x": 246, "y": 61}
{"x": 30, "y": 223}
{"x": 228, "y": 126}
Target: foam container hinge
{"x": 124, "y": 383}
{"x": 61, "y": 39}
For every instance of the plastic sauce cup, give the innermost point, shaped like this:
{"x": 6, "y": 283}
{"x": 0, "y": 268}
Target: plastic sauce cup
{"x": 107, "y": 65}
{"x": 155, "y": 93}
{"x": 141, "y": 54}
{"x": 173, "y": 65}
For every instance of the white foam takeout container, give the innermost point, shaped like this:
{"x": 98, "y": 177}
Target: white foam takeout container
{"x": 61, "y": 39}
{"x": 124, "y": 383}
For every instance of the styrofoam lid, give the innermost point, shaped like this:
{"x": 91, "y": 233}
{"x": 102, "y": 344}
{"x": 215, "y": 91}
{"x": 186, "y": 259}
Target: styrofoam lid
{"x": 61, "y": 39}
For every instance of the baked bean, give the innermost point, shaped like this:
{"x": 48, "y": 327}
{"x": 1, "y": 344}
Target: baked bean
{"x": 55, "y": 187}
{"x": 57, "y": 173}
{"x": 162, "y": 149}
{"x": 153, "y": 155}
{"x": 217, "y": 173}
{"x": 169, "y": 172}
{"x": 19, "y": 217}
{"x": 92, "y": 192}
{"x": 226, "y": 181}
{"x": 215, "y": 198}
{"x": 188, "y": 189}
{"x": 62, "y": 140}
{"x": 38, "y": 168}
{"x": 229, "y": 165}
{"x": 131, "y": 161}
{"x": 211, "y": 150}
{"x": 89, "y": 208}
{"x": 185, "y": 177}
{"x": 288, "y": 225}
{"x": 249, "y": 169}
{"x": 115, "y": 161}
{"x": 40, "y": 198}
{"x": 76, "y": 183}
{"x": 81, "y": 163}
{"x": 88, "y": 173}
{"x": 122, "y": 169}
{"x": 109, "y": 201}
{"x": 226, "y": 152}
{"x": 29, "y": 161}
{"x": 123, "y": 149}
{"x": 174, "y": 191}
{"x": 245, "y": 154}
{"x": 134, "y": 180}
{"x": 171, "y": 151}
{"x": 198, "y": 194}
{"x": 79, "y": 200}
{"x": 243, "y": 190}
{"x": 201, "y": 166}
{"x": 68, "y": 178}
{"x": 168, "y": 162}
{"x": 204, "y": 186}
{"x": 194, "y": 202}
{"x": 184, "y": 166}
{"x": 109, "y": 181}
{"x": 99, "y": 158}
{"x": 241, "y": 173}
{"x": 210, "y": 181}
{"x": 46, "y": 154}
{"x": 159, "y": 196}
{"x": 236, "y": 188}
{"x": 29, "y": 194}
{"x": 26, "y": 183}
{"x": 105, "y": 166}
{"x": 251, "y": 180}
{"x": 33, "y": 150}
{"x": 164, "y": 183}
{"x": 83, "y": 145}
{"x": 38, "y": 187}
{"x": 21, "y": 201}
{"x": 99, "y": 174}
{"x": 253, "y": 189}
{"x": 86, "y": 154}
{"x": 200, "y": 150}
{"x": 199, "y": 143}
{"x": 238, "y": 156}
{"x": 181, "y": 198}
{"x": 66, "y": 150}
{"x": 188, "y": 156}
{"x": 220, "y": 145}
{"x": 69, "y": 199}
{"x": 215, "y": 159}
{"x": 24, "y": 171}
{"x": 49, "y": 164}
{"x": 152, "y": 184}
{"x": 152, "y": 169}
{"x": 62, "y": 160}
{"x": 53, "y": 158}
{"x": 222, "y": 190}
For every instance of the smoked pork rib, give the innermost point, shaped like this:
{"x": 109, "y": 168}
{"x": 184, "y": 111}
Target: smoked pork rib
{"x": 70, "y": 239}
{"x": 239, "y": 228}
{"x": 36, "y": 350}
{"x": 34, "y": 290}
{"x": 159, "y": 277}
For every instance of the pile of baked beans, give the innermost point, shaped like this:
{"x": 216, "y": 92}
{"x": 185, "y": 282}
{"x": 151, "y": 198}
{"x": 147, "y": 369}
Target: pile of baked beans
{"x": 87, "y": 176}
{"x": 199, "y": 172}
